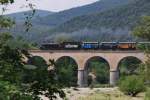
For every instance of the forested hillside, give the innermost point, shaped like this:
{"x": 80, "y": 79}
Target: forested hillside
{"x": 120, "y": 17}
{"x": 63, "y": 16}
{"x": 20, "y": 16}
{"x": 44, "y": 21}
{"x": 110, "y": 25}
{"x": 105, "y": 20}
{"x": 36, "y": 32}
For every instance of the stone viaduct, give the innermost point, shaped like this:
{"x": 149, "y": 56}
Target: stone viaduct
{"x": 82, "y": 56}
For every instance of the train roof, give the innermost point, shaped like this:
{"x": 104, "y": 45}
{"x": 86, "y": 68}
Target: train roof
{"x": 90, "y": 42}
{"x": 71, "y": 42}
{"x": 108, "y": 42}
{"x": 144, "y": 42}
{"x": 127, "y": 42}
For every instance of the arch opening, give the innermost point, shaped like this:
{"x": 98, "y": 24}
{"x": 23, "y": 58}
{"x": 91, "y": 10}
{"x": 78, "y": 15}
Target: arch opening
{"x": 67, "y": 71}
{"x": 96, "y": 71}
{"x": 37, "y": 61}
{"x": 129, "y": 66}
{"x": 35, "y": 70}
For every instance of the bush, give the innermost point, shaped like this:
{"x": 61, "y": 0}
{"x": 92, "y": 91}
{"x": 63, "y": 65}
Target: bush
{"x": 147, "y": 95}
{"x": 90, "y": 80}
{"x": 9, "y": 91}
{"x": 131, "y": 85}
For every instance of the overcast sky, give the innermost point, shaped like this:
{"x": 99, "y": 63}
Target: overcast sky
{"x": 50, "y": 5}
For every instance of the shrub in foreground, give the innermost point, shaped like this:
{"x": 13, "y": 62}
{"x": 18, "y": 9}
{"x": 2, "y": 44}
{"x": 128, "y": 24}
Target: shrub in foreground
{"x": 131, "y": 85}
{"x": 147, "y": 95}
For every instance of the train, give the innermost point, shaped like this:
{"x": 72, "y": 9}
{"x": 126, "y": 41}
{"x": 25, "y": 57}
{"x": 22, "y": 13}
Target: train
{"x": 92, "y": 45}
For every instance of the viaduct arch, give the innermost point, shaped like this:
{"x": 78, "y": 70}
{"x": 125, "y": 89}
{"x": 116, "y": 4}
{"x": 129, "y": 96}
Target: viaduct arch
{"x": 81, "y": 57}
{"x": 87, "y": 67}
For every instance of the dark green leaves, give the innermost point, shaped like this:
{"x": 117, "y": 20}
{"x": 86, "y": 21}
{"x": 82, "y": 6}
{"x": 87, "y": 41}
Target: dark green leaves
{"x": 6, "y": 1}
{"x": 142, "y": 30}
{"x": 6, "y": 23}
{"x": 30, "y": 67}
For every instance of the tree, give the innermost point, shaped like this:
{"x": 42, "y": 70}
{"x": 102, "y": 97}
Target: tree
{"x": 40, "y": 81}
{"x": 131, "y": 85}
{"x": 31, "y": 79}
{"x": 142, "y": 30}
{"x": 14, "y": 71}
{"x": 129, "y": 66}
{"x": 6, "y": 1}
{"x": 11, "y": 70}
{"x": 6, "y": 22}
{"x": 100, "y": 69}
{"x": 66, "y": 69}
{"x": 147, "y": 95}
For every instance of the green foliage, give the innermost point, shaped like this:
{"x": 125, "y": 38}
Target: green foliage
{"x": 66, "y": 69}
{"x": 99, "y": 6}
{"x": 6, "y": 1}
{"x": 122, "y": 17}
{"x": 90, "y": 81}
{"x": 40, "y": 81}
{"x": 24, "y": 82}
{"x": 144, "y": 47}
{"x": 20, "y": 43}
{"x": 7, "y": 90}
{"x": 102, "y": 19}
{"x": 10, "y": 91}
{"x": 10, "y": 61}
{"x": 6, "y": 39}
{"x": 11, "y": 68}
{"x": 129, "y": 66}
{"x": 145, "y": 71}
{"x": 6, "y": 22}
{"x": 18, "y": 80}
{"x": 100, "y": 69}
{"x": 143, "y": 29}
{"x": 147, "y": 95}
{"x": 131, "y": 85}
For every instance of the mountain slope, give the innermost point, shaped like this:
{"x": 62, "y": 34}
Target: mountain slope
{"x": 63, "y": 16}
{"x": 110, "y": 23}
{"x": 20, "y": 16}
{"x": 43, "y": 24}
{"x": 121, "y": 17}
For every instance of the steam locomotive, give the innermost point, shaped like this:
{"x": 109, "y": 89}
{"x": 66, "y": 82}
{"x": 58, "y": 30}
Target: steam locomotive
{"x": 91, "y": 45}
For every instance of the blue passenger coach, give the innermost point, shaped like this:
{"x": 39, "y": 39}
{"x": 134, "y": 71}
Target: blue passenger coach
{"x": 90, "y": 45}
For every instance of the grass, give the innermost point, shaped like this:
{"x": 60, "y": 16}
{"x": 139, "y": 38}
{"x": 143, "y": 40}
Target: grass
{"x": 101, "y": 86}
{"x": 113, "y": 95}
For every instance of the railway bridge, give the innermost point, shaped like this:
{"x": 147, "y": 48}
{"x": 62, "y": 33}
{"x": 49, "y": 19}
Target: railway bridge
{"x": 81, "y": 57}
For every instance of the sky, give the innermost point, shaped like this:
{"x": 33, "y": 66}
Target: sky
{"x": 50, "y": 5}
